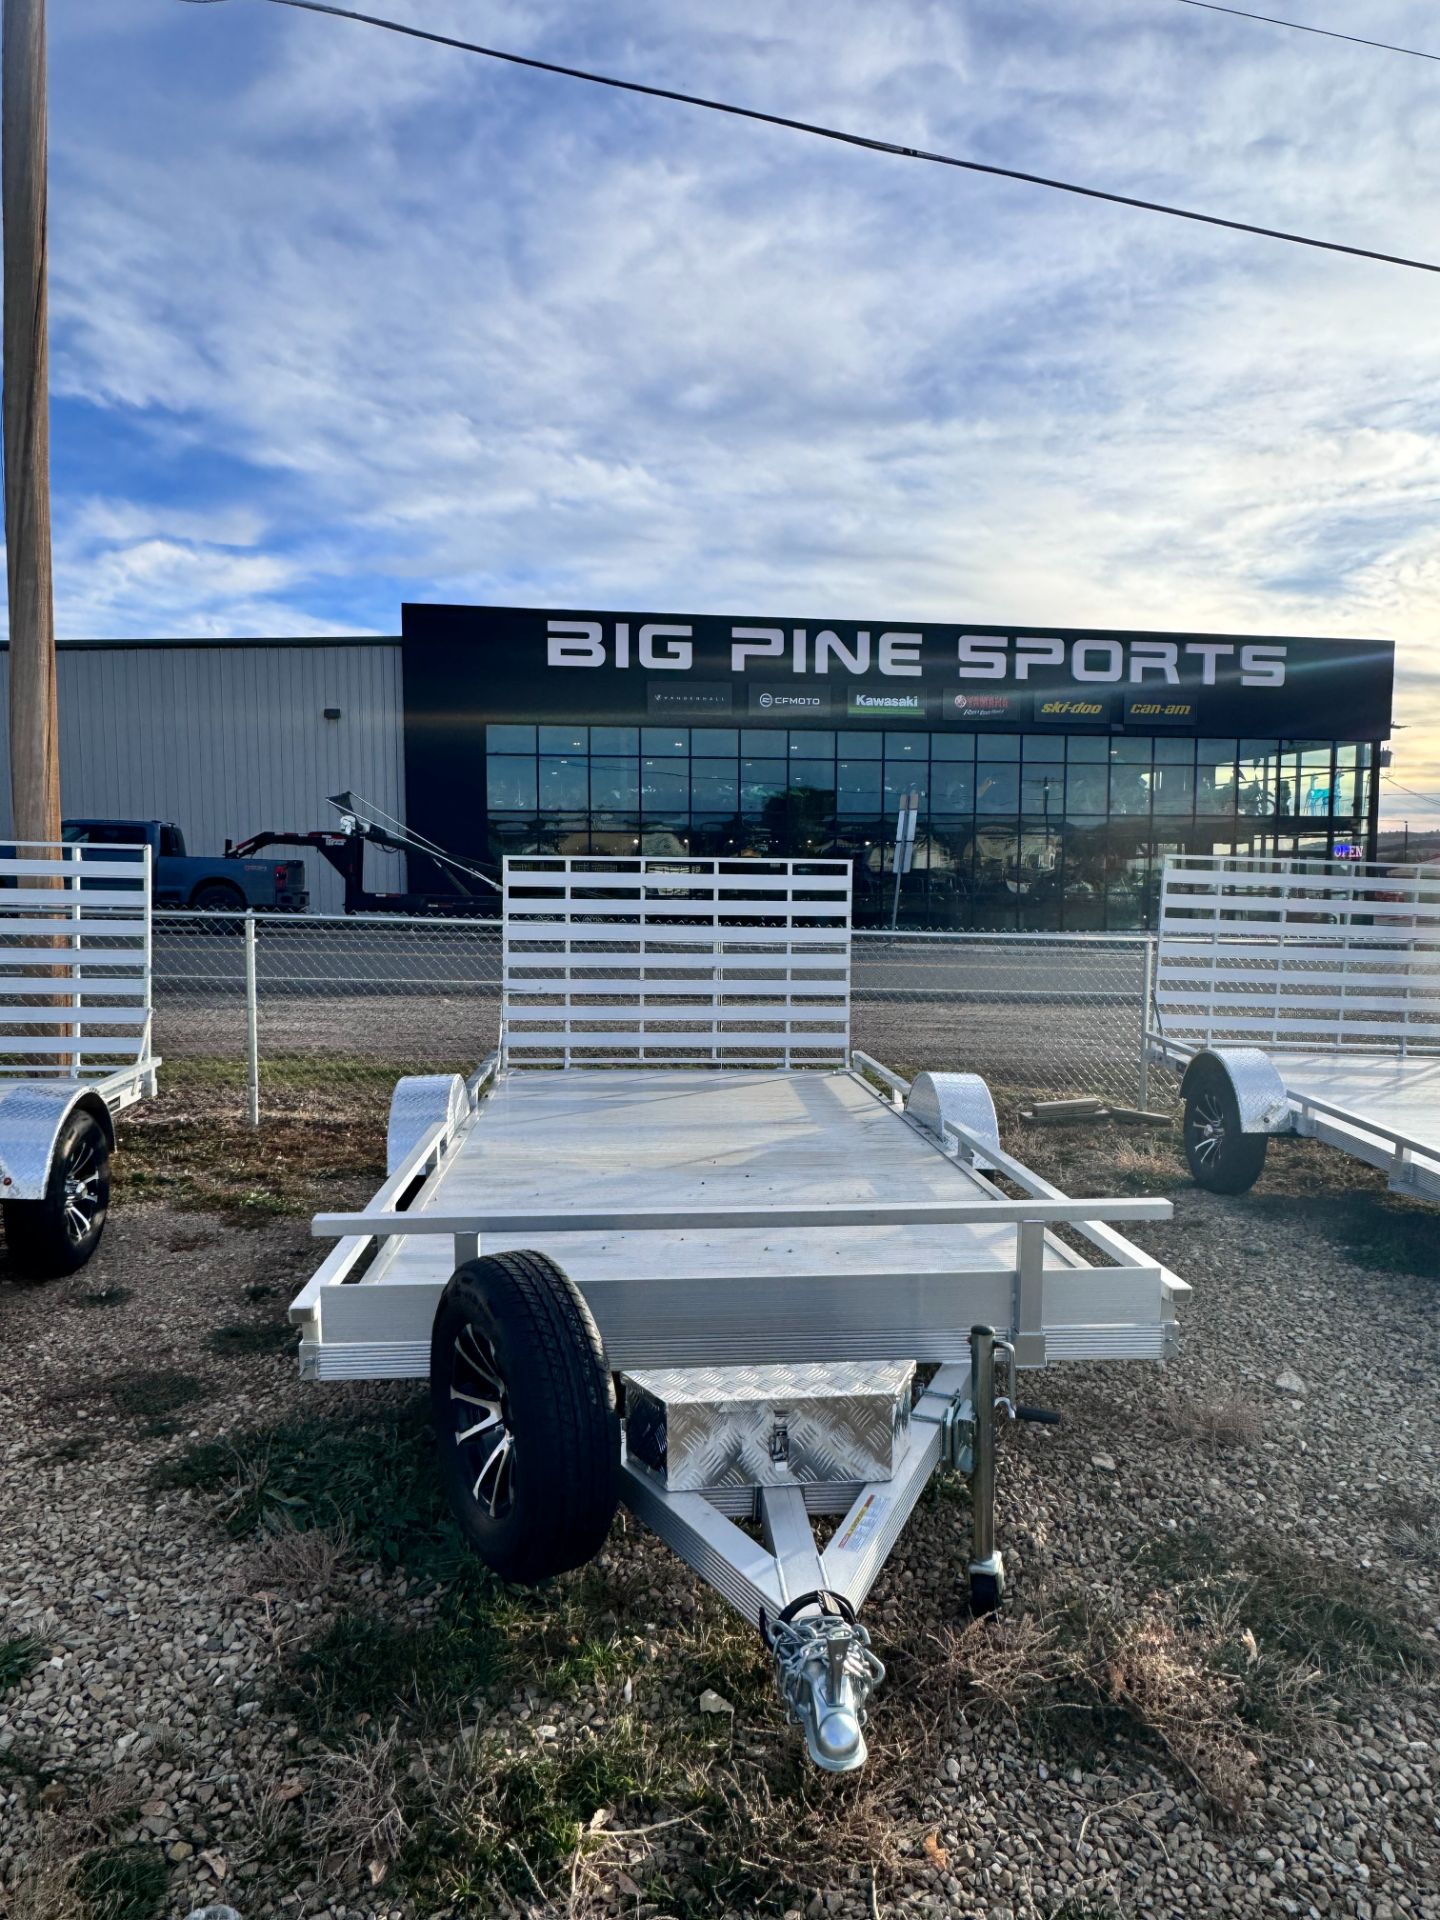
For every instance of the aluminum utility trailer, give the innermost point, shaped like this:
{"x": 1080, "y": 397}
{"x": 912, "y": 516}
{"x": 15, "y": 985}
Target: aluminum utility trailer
{"x": 675, "y": 1170}
{"x": 75, "y": 1039}
{"x": 1302, "y": 996}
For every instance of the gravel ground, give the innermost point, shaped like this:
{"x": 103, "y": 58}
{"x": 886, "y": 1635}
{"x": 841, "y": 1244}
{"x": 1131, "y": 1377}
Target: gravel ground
{"x": 152, "y": 1722}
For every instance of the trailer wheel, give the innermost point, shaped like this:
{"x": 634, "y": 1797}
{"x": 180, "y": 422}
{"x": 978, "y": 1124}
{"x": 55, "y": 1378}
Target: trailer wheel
{"x": 1221, "y": 1157}
{"x": 524, "y": 1412}
{"x": 58, "y": 1234}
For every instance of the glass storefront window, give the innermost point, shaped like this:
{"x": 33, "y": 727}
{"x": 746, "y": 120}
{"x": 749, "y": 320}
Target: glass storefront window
{"x": 858, "y": 746}
{"x": 665, "y": 788}
{"x": 614, "y": 740}
{"x": 1173, "y": 752}
{"x": 510, "y": 782}
{"x": 715, "y": 787}
{"x": 997, "y": 788}
{"x": 1130, "y": 782}
{"x": 952, "y": 787}
{"x": 902, "y": 780}
{"x": 564, "y": 783}
{"x": 615, "y": 783}
{"x": 1027, "y": 831}
{"x": 952, "y": 746}
{"x": 509, "y": 739}
{"x": 1088, "y": 788}
{"x": 761, "y": 781}
{"x": 819, "y": 774}
{"x": 565, "y": 740}
{"x": 1042, "y": 788}
{"x": 857, "y": 786}
{"x": 1174, "y": 790}
{"x": 665, "y": 740}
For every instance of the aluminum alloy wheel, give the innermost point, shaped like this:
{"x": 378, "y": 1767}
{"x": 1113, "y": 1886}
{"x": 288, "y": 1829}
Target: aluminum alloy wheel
{"x": 82, "y": 1195}
{"x": 483, "y": 1435}
{"x": 1207, "y": 1124}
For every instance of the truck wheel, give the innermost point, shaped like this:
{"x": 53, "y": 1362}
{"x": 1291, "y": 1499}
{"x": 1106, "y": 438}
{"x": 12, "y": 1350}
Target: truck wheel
{"x": 1221, "y": 1157}
{"x": 523, "y": 1407}
{"x": 219, "y": 896}
{"x": 59, "y": 1233}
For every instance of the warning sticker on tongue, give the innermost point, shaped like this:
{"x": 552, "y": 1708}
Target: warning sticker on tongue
{"x": 858, "y": 1533}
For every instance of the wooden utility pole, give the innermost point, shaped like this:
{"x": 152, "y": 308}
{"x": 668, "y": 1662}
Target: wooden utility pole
{"x": 34, "y": 731}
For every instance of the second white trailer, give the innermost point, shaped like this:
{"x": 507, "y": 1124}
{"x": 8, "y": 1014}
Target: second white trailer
{"x": 676, "y": 1173}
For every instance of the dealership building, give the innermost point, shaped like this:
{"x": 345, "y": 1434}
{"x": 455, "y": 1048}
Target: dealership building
{"x": 1053, "y": 769}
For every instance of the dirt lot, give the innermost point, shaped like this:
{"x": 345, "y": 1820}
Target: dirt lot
{"x": 242, "y": 1658}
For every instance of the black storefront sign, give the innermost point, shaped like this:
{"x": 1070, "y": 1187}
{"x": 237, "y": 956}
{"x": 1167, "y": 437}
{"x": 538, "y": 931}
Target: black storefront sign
{"x": 466, "y": 667}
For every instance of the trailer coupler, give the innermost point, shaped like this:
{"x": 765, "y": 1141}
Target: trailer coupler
{"x": 826, "y": 1672}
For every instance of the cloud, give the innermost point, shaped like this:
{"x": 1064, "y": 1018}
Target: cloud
{"x": 380, "y": 320}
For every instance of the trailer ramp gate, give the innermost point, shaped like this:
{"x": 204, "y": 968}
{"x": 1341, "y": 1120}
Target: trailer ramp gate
{"x": 1319, "y": 979}
{"x": 769, "y": 1231}
{"x": 650, "y": 962}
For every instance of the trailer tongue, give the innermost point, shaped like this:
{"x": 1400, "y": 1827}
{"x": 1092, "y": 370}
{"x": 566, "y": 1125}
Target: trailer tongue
{"x": 674, "y": 1169}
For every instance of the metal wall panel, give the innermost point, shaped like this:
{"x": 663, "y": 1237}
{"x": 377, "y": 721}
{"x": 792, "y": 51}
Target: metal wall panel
{"x": 225, "y": 740}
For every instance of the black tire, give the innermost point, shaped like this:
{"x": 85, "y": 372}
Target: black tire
{"x": 58, "y": 1234}
{"x": 217, "y": 897}
{"x": 539, "y": 1499}
{"x": 1221, "y": 1158}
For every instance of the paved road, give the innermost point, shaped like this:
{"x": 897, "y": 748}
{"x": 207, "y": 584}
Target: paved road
{"x": 326, "y": 960}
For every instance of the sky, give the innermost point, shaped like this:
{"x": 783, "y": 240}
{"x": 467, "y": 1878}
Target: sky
{"x": 340, "y": 320}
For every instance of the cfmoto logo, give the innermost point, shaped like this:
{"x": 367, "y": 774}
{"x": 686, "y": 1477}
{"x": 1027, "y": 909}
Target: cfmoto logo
{"x": 767, "y": 700}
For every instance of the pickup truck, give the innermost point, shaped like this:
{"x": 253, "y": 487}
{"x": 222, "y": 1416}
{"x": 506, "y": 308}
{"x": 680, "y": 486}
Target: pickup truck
{"x": 208, "y": 882}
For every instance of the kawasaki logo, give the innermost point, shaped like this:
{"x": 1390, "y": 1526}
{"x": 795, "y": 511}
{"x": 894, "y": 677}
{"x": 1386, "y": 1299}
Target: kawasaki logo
{"x": 886, "y": 703}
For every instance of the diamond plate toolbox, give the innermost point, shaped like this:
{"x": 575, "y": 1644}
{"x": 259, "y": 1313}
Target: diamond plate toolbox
{"x": 705, "y": 1427}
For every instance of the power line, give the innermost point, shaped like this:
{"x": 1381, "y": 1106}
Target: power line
{"x": 1297, "y": 26}
{"x": 849, "y": 139}
{"x": 1425, "y": 799}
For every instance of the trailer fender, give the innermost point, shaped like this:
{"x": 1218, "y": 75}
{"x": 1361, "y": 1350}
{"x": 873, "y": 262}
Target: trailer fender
{"x": 31, "y": 1116}
{"x": 964, "y": 1098}
{"x": 421, "y": 1101}
{"x": 1259, "y": 1091}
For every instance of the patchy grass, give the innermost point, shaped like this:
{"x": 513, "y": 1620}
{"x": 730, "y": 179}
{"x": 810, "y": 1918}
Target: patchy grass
{"x": 18, "y": 1660}
{"x": 1412, "y": 1525}
{"x": 364, "y": 1668}
{"x": 1312, "y": 1637}
{"x": 154, "y": 1393}
{"x": 123, "y": 1883}
{"x": 1086, "y": 1677}
{"x": 102, "y": 1297}
{"x": 74, "y": 1448}
{"x": 1223, "y": 1421}
{"x": 243, "y": 1337}
{"x": 193, "y": 1148}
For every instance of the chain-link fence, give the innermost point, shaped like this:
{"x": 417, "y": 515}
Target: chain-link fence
{"x": 257, "y": 1013}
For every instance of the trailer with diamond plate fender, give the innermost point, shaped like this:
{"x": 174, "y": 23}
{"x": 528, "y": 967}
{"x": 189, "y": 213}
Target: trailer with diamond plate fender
{"x": 74, "y": 1039}
{"x": 675, "y": 1243}
{"x": 1301, "y": 996}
